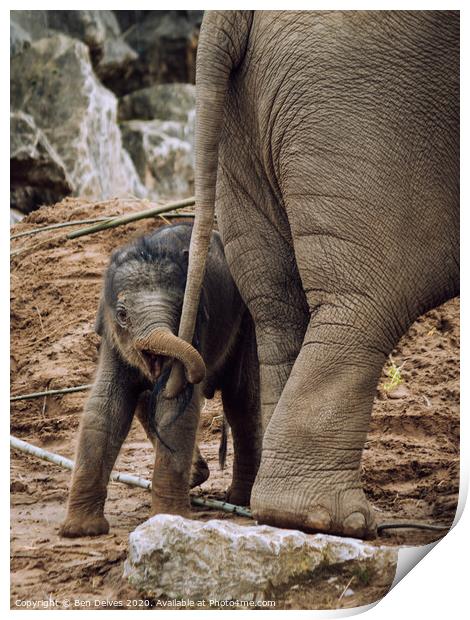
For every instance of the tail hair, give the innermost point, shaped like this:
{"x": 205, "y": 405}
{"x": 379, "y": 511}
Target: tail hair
{"x": 223, "y": 444}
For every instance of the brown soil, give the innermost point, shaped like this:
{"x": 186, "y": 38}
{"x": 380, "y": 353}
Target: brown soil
{"x": 410, "y": 465}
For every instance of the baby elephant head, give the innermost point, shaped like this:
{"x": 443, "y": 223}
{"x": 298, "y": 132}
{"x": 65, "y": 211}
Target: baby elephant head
{"x": 141, "y": 307}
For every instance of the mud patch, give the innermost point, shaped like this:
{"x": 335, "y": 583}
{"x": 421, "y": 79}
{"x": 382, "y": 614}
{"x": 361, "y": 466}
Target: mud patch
{"x": 410, "y": 465}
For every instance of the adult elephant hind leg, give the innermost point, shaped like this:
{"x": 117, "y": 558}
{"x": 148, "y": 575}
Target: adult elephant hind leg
{"x": 105, "y": 424}
{"x": 262, "y": 263}
{"x": 309, "y": 476}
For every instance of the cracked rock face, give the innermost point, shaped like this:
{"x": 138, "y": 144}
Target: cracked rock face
{"x": 173, "y": 557}
{"x": 162, "y": 152}
{"x": 111, "y": 57}
{"x": 54, "y": 83}
{"x": 167, "y": 102}
{"x": 157, "y": 125}
{"x": 165, "y": 42}
{"x": 37, "y": 174}
{"x": 19, "y": 39}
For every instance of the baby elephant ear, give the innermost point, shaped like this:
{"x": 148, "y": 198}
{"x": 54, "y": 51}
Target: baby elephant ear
{"x": 99, "y": 321}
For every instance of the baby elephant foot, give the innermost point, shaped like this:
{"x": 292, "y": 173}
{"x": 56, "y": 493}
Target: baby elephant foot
{"x": 239, "y": 493}
{"x": 177, "y": 505}
{"x": 199, "y": 473}
{"x": 334, "y": 509}
{"x": 84, "y": 525}
{"x": 239, "y": 497}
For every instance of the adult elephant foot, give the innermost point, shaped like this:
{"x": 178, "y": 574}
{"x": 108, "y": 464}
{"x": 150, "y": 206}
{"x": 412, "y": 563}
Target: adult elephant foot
{"x": 309, "y": 476}
{"x": 334, "y": 506}
{"x": 84, "y": 525}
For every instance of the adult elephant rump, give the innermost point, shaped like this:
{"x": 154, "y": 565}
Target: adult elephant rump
{"x": 332, "y": 141}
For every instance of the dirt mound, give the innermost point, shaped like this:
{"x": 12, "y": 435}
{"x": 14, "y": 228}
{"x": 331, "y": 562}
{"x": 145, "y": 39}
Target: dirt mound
{"x": 410, "y": 465}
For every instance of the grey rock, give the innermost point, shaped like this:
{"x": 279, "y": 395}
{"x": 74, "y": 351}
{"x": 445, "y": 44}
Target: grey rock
{"x": 15, "y": 216}
{"x": 35, "y": 23}
{"x": 37, "y": 174}
{"x": 166, "y": 102}
{"x": 401, "y": 391}
{"x": 116, "y": 63}
{"x": 173, "y": 557}
{"x": 19, "y": 39}
{"x": 129, "y": 19}
{"x": 91, "y": 27}
{"x": 53, "y": 81}
{"x": 165, "y": 42}
{"x": 162, "y": 152}
{"x": 111, "y": 56}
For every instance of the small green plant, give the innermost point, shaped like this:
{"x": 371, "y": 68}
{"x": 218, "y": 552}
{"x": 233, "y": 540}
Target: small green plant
{"x": 393, "y": 372}
{"x": 363, "y": 575}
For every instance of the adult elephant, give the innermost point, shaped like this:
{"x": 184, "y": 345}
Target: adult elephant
{"x": 332, "y": 138}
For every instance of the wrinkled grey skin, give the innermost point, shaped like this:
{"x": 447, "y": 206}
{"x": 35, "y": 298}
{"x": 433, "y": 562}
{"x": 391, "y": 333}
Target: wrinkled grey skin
{"x": 142, "y": 299}
{"x": 333, "y": 137}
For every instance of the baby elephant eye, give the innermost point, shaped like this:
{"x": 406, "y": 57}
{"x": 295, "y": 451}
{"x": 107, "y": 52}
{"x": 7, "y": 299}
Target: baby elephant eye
{"x": 121, "y": 316}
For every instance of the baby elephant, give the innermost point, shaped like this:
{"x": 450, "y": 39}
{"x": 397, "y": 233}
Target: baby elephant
{"x": 138, "y": 318}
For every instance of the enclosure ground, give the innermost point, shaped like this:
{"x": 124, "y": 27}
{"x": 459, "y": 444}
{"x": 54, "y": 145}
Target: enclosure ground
{"x": 410, "y": 465}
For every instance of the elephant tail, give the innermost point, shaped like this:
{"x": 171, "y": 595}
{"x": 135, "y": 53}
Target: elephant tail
{"x": 222, "y": 46}
{"x": 223, "y": 444}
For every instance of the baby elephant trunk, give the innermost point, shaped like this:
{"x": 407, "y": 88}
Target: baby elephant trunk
{"x": 163, "y": 343}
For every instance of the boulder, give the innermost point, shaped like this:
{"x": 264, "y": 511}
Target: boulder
{"x": 165, "y": 42}
{"x": 167, "y": 102}
{"x": 162, "y": 144}
{"x": 35, "y": 23}
{"x": 15, "y": 216}
{"x": 37, "y": 174}
{"x": 19, "y": 39}
{"x": 162, "y": 152}
{"x": 91, "y": 27}
{"x": 220, "y": 560}
{"x": 99, "y": 30}
{"x": 129, "y": 19}
{"x": 116, "y": 63}
{"x": 53, "y": 81}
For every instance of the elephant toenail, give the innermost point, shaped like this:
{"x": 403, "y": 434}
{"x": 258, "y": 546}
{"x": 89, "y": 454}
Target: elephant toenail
{"x": 355, "y": 525}
{"x": 319, "y": 519}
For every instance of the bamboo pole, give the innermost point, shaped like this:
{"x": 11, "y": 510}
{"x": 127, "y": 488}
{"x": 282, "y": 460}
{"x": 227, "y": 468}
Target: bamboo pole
{"x": 45, "y": 455}
{"x": 131, "y": 217}
{"x": 77, "y": 388}
{"x": 36, "y": 231}
{"x": 412, "y": 525}
{"x": 27, "y": 448}
{"x": 112, "y": 222}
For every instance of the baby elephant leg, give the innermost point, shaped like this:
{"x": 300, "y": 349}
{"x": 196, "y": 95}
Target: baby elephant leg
{"x": 143, "y": 415}
{"x": 241, "y": 402}
{"x": 105, "y": 424}
{"x": 199, "y": 467}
